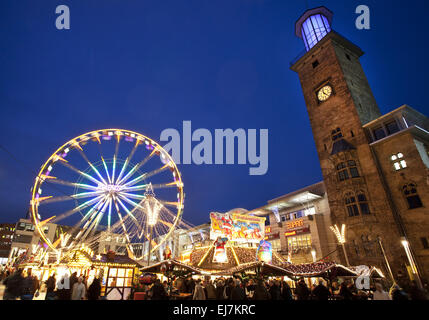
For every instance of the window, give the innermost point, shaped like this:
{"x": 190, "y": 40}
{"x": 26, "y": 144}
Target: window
{"x": 413, "y": 199}
{"x": 425, "y": 242}
{"x": 299, "y": 242}
{"x": 315, "y": 64}
{"x": 348, "y": 57}
{"x": 392, "y": 127}
{"x": 363, "y": 204}
{"x": 342, "y": 172}
{"x": 398, "y": 161}
{"x": 347, "y": 170}
{"x": 351, "y": 205}
{"x": 356, "y": 205}
{"x": 379, "y": 133}
{"x": 336, "y": 134}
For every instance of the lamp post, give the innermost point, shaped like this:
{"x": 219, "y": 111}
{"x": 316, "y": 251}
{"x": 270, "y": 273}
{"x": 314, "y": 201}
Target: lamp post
{"x": 153, "y": 207}
{"x": 341, "y": 237}
{"x": 313, "y": 254}
{"x": 385, "y": 259}
{"x": 410, "y": 257}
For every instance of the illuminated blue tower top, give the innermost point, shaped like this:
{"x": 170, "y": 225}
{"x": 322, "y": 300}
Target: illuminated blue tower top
{"x": 313, "y": 25}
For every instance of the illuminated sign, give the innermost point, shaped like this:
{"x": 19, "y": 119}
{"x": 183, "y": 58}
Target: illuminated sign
{"x": 296, "y": 232}
{"x": 272, "y": 236}
{"x": 264, "y": 252}
{"x": 295, "y": 224}
{"x": 267, "y": 229}
{"x": 237, "y": 227}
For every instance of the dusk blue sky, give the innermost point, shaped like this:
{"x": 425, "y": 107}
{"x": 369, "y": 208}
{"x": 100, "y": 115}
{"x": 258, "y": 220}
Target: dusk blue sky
{"x": 149, "y": 65}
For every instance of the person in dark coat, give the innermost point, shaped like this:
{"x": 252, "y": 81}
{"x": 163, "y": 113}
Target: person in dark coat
{"x": 190, "y": 285}
{"x": 50, "y": 288}
{"x": 302, "y": 292}
{"x": 261, "y": 293}
{"x": 321, "y": 292}
{"x": 398, "y": 294}
{"x": 345, "y": 293}
{"x": 237, "y": 292}
{"x": 274, "y": 291}
{"x": 30, "y": 285}
{"x": 219, "y": 290}
{"x": 415, "y": 292}
{"x": 158, "y": 291}
{"x": 286, "y": 291}
{"x": 13, "y": 285}
{"x": 94, "y": 290}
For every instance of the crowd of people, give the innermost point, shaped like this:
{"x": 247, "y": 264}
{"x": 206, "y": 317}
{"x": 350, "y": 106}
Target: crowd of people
{"x": 259, "y": 289}
{"x": 25, "y": 286}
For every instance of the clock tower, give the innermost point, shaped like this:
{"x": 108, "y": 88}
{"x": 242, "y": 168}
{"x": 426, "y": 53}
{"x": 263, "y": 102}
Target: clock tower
{"x": 339, "y": 103}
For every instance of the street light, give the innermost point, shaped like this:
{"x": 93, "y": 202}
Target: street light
{"x": 341, "y": 237}
{"x": 385, "y": 259}
{"x": 153, "y": 207}
{"x": 313, "y": 254}
{"x": 410, "y": 257}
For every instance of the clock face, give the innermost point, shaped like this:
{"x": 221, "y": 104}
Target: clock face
{"x": 324, "y": 93}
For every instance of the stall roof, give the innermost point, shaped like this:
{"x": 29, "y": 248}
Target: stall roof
{"x": 265, "y": 269}
{"x": 320, "y": 269}
{"x": 156, "y": 268}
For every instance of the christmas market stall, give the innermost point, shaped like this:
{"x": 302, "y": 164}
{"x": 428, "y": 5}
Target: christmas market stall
{"x": 116, "y": 272}
{"x": 172, "y": 270}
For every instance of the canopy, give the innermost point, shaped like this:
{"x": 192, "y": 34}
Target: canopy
{"x": 171, "y": 264}
{"x": 259, "y": 267}
{"x": 320, "y": 269}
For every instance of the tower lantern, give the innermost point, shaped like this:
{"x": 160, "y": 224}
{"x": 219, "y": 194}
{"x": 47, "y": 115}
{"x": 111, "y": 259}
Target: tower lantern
{"x": 313, "y": 25}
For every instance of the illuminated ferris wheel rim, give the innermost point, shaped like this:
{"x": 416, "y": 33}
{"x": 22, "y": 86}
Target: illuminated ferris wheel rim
{"x": 98, "y": 135}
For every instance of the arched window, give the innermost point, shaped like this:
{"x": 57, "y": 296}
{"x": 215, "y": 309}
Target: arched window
{"x": 363, "y": 204}
{"x": 413, "y": 198}
{"x": 347, "y": 170}
{"x": 351, "y": 205}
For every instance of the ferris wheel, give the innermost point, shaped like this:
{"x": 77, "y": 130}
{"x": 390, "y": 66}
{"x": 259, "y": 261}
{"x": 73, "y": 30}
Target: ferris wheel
{"x": 110, "y": 182}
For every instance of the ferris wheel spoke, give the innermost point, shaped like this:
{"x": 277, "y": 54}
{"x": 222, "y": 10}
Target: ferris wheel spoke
{"x": 127, "y": 161}
{"x": 91, "y": 165}
{"x": 146, "y": 175}
{"x": 136, "y": 167}
{"x": 77, "y": 209}
{"x": 72, "y": 184}
{"x": 169, "y": 203}
{"x": 134, "y": 204}
{"x": 95, "y": 220}
{"x": 46, "y": 200}
{"x": 133, "y": 196}
{"x": 154, "y": 186}
{"x": 80, "y": 172}
{"x": 109, "y": 215}
{"x": 90, "y": 217}
{"x": 121, "y": 220}
{"x": 106, "y": 169}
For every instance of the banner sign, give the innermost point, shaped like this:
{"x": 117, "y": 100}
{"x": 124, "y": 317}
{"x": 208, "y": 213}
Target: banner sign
{"x": 264, "y": 252}
{"x": 237, "y": 227}
{"x": 297, "y": 232}
{"x": 220, "y": 255}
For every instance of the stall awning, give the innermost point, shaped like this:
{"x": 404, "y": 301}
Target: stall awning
{"x": 162, "y": 266}
{"x": 261, "y": 267}
{"x": 320, "y": 269}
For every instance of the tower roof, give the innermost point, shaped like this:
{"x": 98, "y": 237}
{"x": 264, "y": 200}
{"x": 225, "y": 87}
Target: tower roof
{"x": 321, "y": 10}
